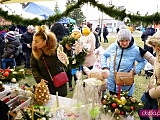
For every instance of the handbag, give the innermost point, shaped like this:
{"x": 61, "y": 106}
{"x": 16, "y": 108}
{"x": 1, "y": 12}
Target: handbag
{"x": 59, "y": 79}
{"x": 123, "y": 78}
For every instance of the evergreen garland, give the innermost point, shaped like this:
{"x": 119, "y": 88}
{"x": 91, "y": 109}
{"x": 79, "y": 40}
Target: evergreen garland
{"x": 112, "y": 11}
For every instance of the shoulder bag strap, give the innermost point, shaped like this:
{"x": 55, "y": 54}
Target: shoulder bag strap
{"x": 114, "y": 67}
{"x": 47, "y": 67}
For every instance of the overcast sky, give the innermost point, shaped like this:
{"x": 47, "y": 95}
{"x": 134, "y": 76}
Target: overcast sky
{"x": 143, "y": 6}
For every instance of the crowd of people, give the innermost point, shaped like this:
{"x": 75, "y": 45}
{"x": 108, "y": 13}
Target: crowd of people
{"x": 40, "y": 42}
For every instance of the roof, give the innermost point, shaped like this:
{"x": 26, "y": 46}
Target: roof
{"x": 39, "y": 10}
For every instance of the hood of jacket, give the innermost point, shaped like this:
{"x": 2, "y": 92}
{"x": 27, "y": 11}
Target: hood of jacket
{"x": 58, "y": 29}
{"x": 49, "y": 49}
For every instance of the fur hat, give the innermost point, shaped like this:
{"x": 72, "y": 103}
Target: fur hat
{"x": 154, "y": 40}
{"x": 124, "y": 34}
{"x": 10, "y": 36}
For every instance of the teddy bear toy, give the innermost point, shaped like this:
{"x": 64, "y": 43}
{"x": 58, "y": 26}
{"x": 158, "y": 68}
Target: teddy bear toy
{"x": 76, "y": 33}
{"x": 99, "y": 74}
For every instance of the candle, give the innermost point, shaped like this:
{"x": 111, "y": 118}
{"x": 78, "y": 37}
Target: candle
{"x": 32, "y": 113}
{"x": 93, "y": 100}
{"x": 119, "y": 91}
{"x": 57, "y": 101}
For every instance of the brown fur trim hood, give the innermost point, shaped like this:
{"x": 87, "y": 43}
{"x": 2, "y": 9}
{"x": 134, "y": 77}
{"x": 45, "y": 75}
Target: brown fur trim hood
{"x": 154, "y": 41}
{"x": 50, "y": 48}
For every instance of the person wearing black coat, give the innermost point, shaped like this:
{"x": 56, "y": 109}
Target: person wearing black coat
{"x": 1, "y": 40}
{"x": 98, "y": 30}
{"x": 148, "y": 32}
{"x": 26, "y": 40}
{"x": 105, "y": 33}
{"x": 58, "y": 30}
{"x": 10, "y": 49}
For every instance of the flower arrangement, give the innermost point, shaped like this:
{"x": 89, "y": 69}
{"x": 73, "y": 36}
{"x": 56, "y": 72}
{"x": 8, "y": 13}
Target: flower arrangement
{"x": 4, "y": 73}
{"x": 74, "y": 50}
{"x": 11, "y": 74}
{"x": 35, "y": 112}
{"x": 120, "y": 107}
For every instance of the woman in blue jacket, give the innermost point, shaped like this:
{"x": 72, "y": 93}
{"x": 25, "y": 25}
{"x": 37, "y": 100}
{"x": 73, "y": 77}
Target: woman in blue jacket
{"x": 127, "y": 54}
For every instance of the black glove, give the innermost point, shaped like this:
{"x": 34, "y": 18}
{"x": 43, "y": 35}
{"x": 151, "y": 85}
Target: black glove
{"x": 148, "y": 96}
{"x": 142, "y": 51}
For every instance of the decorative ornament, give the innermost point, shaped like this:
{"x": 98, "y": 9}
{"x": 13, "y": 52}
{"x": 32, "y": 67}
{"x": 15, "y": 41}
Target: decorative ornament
{"x": 33, "y": 113}
{"x": 117, "y": 111}
{"x": 13, "y": 80}
{"x": 114, "y": 105}
{"x": 76, "y": 33}
{"x": 1, "y": 87}
{"x": 42, "y": 94}
{"x": 120, "y": 108}
{"x": 75, "y": 52}
{"x": 123, "y": 100}
{"x": 133, "y": 100}
{"x": 62, "y": 56}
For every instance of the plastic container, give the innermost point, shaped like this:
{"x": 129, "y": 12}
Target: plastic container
{"x": 18, "y": 103}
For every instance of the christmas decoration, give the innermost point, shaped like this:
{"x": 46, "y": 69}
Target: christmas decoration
{"x": 120, "y": 108}
{"x": 4, "y": 73}
{"x": 13, "y": 80}
{"x": 33, "y": 113}
{"x": 112, "y": 11}
{"x": 1, "y": 87}
{"x": 62, "y": 56}
{"x": 76, "y": 33}
{"x": 75, "y": 51}
{"x": 41, "y": 93}
{"x": 11, "y": 74}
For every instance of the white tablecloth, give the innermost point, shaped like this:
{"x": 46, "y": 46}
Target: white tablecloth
{"x": 63, "y": 101}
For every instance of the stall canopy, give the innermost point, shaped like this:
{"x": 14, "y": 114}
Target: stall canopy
{"x": 67, "y": 20}
{"x": 16, "y": 9}
{"x": 39, "y": 10}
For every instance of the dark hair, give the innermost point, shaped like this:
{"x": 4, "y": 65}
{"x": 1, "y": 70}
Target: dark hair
{"x": 89, "y": 25}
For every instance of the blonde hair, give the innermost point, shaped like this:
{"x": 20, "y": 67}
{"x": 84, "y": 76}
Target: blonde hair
{"x": 50, "y": 38}
{"x": 42, "y": 32}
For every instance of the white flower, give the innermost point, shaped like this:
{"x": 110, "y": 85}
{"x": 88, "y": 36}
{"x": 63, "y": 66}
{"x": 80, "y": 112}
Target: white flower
{"x": 105, "y": 96}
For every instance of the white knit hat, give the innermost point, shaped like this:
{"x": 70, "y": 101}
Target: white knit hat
{"x": 124, "y": 34}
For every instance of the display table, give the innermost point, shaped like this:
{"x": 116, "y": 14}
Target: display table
{"x": 60, "y": 107}
{"x": 63, "y": 101}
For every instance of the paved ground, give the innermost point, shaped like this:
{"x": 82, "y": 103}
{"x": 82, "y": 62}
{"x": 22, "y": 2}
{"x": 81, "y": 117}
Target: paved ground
{"x": 134, "y": 34}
